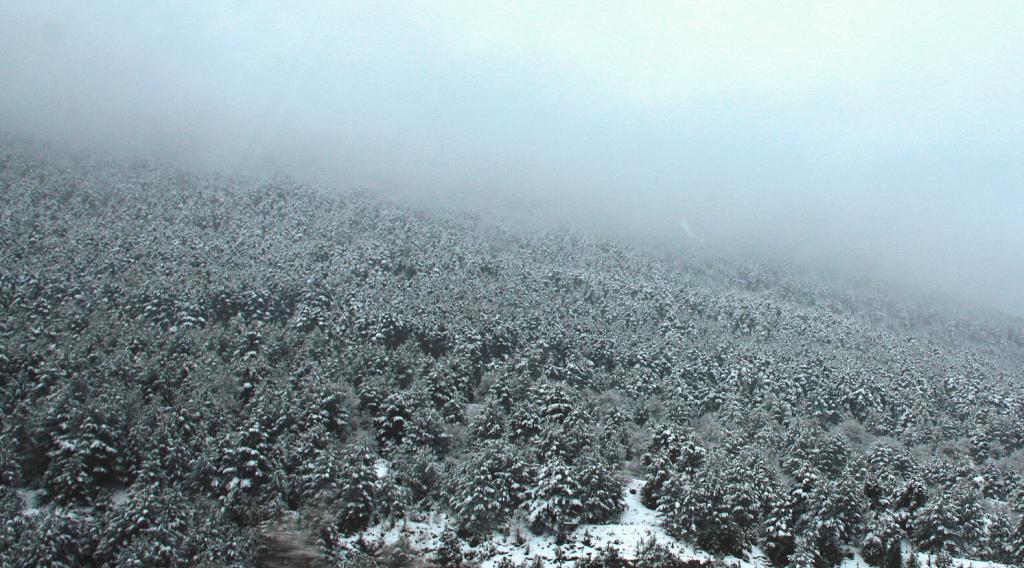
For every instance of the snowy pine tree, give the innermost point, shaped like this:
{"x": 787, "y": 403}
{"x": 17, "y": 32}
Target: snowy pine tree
{"x": 490, "y": 424}
{"x": 555, "y": 504}
{"x": 86, "y": 455}
{"x": 669, "y": 452}
{"x": 490, "y": 486}
{"x": 245, "y": 462}
{"x": 148, "y": 529}
{"x": 601, "y": 491}
{"x": 58, "y": 538}
{"x": 391, "y": 422}
{"x": 700, "y": 508}
{"x": 449, "y": 553}
{"x": 882, "y": 541}
{"x": 392, "y": 499}
{"x": 353, "y": 504}
{"x": 779, "y": 536}
{"x": 1015, "y": 546}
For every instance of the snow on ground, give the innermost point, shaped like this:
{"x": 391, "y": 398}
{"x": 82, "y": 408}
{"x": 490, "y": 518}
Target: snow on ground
{"x": 637, "y": 525}
{"x": 119, "y": 496}
{"x": 929, "y": 560}
{"x": 381, "y": 469}
{"x": 30, "y": 500}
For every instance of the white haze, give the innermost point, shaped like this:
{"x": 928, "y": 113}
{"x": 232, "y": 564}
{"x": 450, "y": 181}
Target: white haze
{"x": 886, "y": 135}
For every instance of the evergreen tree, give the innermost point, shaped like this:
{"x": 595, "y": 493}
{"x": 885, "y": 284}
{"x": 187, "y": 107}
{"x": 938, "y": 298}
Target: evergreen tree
{"x": 449, "y": 553}
{"x": 834, "y": 518}
{"x": 489, "y": 487}
{"x": 669, "y": 452}
{"x": 244, "y": 465}
{"x": 554, "y": 401}
{"x": 490, "y": 424}
{"x": 421, "y": 473}
{"x": 169, "y": 446}
{"x": 391, "y": 421}
{"x": 1015, "y": 546}
{"x": 601, "y": 491}
{"x": 427, "y": 430}
{"x": 805, "y": 554}
{"x": 935, "y": 526}
{"x": 392, "y": 499}
{"x": 555, "y": 504}
{"x": 353, "y": 503}
{"x": 86, "y": 453}
{"x": 951, "y": 522}
{"x": 147, "y": 529}
{"x": 314, "y": 465}
{"x": 779, "y": 536}
{"x": 445, "y": 395}
{"x": 57, "y": 538}
{"x": 881, "y": 543}
{"x": 698, "y": 508}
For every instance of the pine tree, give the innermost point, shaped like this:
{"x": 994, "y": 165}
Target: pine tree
{"x": 560, "y": 442}
{"x": 950, "y": 522}
{"x": 427, "y": 429}
{"x": 58, "y": 538}
{"x": 421, "y": 473}
{"x": 148, "y": 529}
{"x": 245, "y": 462}
{"x": 935, "y": 526}
{"x": 834, "y": 517}
{"x": 169, "y": 446}
{"x": 1015, "y": 546}
{"x": 555, "y": 504}
{"x": 86, "y": 454}
{"x": 524, "y": 424}
{"x": 554, "y": 401}
{"x": 601, "y": 491}
{"x": 805, "y": 555}
{"x": 391, "y": 422}
{"x": 449, "y": 553}
{"x": 490, "y": 424}
{"x": 669, "y": 451}
{"x": 659, "y": 473}
{"x": 743, "y": 498}
{"x": 698, "y": 508}
{"x": 779, "y": 536}
{"x": 489, "y": 487}
{"x": 313, "y": 465}
{"x": 446, "y": 396}
{"x": 391, "y": 499}
{"x": 354, "y": 501}
{"x": 995, "y": 541}
{"x": 881, "y": 544}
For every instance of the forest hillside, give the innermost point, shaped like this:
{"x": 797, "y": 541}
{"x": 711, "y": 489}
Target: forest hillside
{"x": 202, "y": 370}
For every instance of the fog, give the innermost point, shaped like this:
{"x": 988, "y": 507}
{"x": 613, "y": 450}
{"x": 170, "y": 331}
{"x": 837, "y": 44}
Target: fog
{"x": 887, "y": 137}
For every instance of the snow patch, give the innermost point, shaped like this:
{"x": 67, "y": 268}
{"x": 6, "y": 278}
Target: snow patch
{"x": 30, "y": 501}
{"x": 119, "y": 496}
{"x": 517, "y": 543}
{"x": 381, "y": 469}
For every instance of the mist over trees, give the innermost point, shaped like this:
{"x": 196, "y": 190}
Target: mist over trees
{"x": 881, "y": 138}
{"x": 497, "y": 285}
{"x": 201, "y": 370}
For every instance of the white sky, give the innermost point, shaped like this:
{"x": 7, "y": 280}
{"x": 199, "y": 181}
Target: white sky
{"x": 886, "y": 133}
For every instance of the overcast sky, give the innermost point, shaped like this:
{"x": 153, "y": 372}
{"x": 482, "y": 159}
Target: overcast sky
{"x": 888, "y": 135}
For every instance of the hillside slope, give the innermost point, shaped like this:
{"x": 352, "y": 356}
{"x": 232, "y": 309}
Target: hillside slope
{"x": 191, "y": 365}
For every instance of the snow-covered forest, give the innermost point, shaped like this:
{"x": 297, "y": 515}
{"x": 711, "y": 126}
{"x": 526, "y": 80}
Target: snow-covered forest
{"x": 200, "y": 370}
